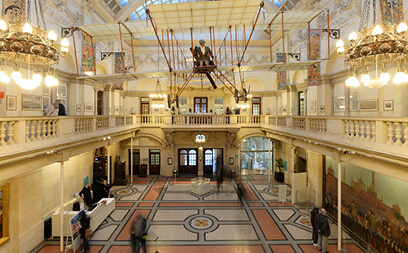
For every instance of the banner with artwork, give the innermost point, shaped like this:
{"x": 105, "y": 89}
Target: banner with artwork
{"x": 313, "y": 73}
{"x": 118, "y": 68}
{"x": 87, "y": 53}
{"x": 8, "y": 5}
{"x": 118, "y": 62}
{"x": 374, "y": 205}
{"x": 281, "y": 75}
{"x": 392, "y": 11}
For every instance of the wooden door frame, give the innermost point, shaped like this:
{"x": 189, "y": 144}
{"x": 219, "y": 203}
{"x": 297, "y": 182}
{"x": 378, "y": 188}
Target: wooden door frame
{"x": 206, "y": 104}
{"x": 150, "y": 161}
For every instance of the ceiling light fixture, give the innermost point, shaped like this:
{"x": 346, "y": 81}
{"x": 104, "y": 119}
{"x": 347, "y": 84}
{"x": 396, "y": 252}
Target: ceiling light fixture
{"x": 24, "y": 47}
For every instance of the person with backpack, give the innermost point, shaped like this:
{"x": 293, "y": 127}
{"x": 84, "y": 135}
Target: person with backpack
{"x": 323, "y": 227}
{"x": 138, "y": 234}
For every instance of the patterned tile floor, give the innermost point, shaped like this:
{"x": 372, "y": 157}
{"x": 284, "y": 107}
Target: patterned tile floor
{"x": 214, "y": 222}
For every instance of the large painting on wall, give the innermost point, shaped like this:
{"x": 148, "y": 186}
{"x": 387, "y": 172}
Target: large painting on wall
{"x": 374, "y": 206}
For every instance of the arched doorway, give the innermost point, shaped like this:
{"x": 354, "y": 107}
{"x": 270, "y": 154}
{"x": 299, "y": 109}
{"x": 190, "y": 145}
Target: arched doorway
{"x": 255, "y": 153}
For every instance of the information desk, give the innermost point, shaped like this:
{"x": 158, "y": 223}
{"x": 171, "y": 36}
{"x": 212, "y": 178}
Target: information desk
{"x": 97, "y": 215}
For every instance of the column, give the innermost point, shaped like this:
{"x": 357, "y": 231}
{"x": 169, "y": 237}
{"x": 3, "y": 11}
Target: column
{"x": 131, "y": 158}
{"x": 339, "y": 204}
{"x": 293, "y": 172}
{"x": 62, "y": 205}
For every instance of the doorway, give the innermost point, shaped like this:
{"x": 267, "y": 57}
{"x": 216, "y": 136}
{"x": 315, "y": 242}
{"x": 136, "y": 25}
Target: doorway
{"x": 210, "y": 160}
{"x": 188, "y": 162}
{"x": 99, "y": 103}
{"x": 136, "y": 162}
{"x": 154, "y": 162}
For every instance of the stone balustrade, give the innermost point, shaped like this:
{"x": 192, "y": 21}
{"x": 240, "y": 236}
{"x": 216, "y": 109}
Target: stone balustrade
{"x": 40, "y": 132}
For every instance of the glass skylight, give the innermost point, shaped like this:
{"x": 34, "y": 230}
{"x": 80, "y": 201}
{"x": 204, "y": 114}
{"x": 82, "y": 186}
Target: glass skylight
{"x": 123, "y": 2}
{"x": 140, "y": 12}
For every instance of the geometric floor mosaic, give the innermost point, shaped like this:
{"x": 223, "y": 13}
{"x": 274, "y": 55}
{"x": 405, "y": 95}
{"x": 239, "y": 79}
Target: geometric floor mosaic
{"x": 214, "y": 222}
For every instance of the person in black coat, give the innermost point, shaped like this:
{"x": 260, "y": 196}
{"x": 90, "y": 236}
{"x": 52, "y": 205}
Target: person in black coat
{"x": 61, "y": 109}
{"x": 85, "y": 224}
{"x": 323, "y": 227}
{"x": 313, "y": 214}
{"x": 85, "y": 193}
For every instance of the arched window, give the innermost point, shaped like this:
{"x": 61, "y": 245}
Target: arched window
{"x": 208, "y": 156}
{"x": 192, "y": 161}
{"x": 183, "y": 157}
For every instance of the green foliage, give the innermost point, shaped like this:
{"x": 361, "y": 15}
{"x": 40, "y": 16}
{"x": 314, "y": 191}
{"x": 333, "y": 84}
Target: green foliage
{"x": 279, "y": 165}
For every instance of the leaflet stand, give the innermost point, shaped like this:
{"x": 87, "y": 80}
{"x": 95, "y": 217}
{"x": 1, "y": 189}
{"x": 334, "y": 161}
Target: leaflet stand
{"x": 282, "y": 193}
{"x": 74, "y": 229}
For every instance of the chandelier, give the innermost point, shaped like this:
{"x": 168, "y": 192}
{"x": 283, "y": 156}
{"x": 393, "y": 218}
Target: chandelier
{"x": 24, "y": 47}
{"x": 378, "y": 47}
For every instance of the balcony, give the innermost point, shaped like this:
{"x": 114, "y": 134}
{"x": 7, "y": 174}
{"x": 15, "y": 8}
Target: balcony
{"x": 388, "y": 136}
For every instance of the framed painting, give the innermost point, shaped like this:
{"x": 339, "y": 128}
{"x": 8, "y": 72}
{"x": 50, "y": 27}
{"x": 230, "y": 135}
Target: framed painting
{"x": 388, "y": 105}
{"x": 11, "y": 103}
{"x": 4, "y": 214}
{"x": 339, "y": 104}
{"x": 231, "y": 161}
{"x": 89, "y": 107}
{"x": 31, "y": 102}
{"x": 169, "y": 161}
{"x": 368, "y": 104}
{"x": 62, "y": 90}
{"x": 46, "y": 102}
{"x": 312, "y": 105}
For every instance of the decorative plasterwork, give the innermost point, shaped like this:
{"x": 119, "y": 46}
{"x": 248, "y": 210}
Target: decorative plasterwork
{"x": 63, "y": 12}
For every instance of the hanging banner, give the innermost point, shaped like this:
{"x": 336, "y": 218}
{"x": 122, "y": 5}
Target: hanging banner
{"x": 118, "y": 63}
{"x": 281, "y": 75}
{"x": 118, "y": 68}
{"x": 392, "y": 11}
{"x": 313, "y": 73}
{"x": 8, "y": 6}
{"x": 87, "y": 53}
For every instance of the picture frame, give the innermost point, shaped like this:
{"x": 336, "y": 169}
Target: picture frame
{"x": 46, "y": 102}
{"x": 231, "y": 161}
{"x": 368, "y": 105}
{"x": 353, "y": 100}
{"x": 11, "y": 103}
{"x": 78, "y": 107}
{"x": 46, "y": 90}
{"x": 312, "y": 106}
{"x": 169, "y": 161}
{"x": 388, "y": 105}
{"x": 31, "y": 102}
{"x": 62, "y": 90}
{"x": 88, "y": 107}
{"x": 4, "y": 210}
{"x": 339, "y": 104}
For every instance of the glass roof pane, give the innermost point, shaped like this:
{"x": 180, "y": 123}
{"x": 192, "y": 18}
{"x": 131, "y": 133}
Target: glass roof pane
{"x": 140, "y": 13}
{"x": 123, "y": 2}
{"x": 277, "y": 3}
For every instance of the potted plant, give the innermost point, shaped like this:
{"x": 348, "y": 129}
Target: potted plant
{"x": 279, "y": 175}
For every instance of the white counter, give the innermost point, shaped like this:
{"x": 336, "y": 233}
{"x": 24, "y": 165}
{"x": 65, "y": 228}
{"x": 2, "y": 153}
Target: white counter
{"x": 97, "y": 215}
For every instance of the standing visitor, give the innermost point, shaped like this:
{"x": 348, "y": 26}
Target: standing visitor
{"x": 313, "y": 214}
{"x": 323, "y": 227}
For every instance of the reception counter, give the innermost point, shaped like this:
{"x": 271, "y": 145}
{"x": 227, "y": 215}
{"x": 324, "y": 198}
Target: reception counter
{"x": 104, "y": 207}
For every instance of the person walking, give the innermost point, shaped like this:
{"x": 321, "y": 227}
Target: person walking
{"x": 323, "y": 227}
{"x": 138, "y": 234}
{"x": 85, "y": 193}
{"x": 315, "y": 235}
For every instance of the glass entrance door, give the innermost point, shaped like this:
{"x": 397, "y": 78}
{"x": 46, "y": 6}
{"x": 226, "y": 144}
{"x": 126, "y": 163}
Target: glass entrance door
{"x": 136, "y": 162}
{"x": 154, "y": 162}
{"x": 210, "y": 158}
{"x": 188, "y": 162}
